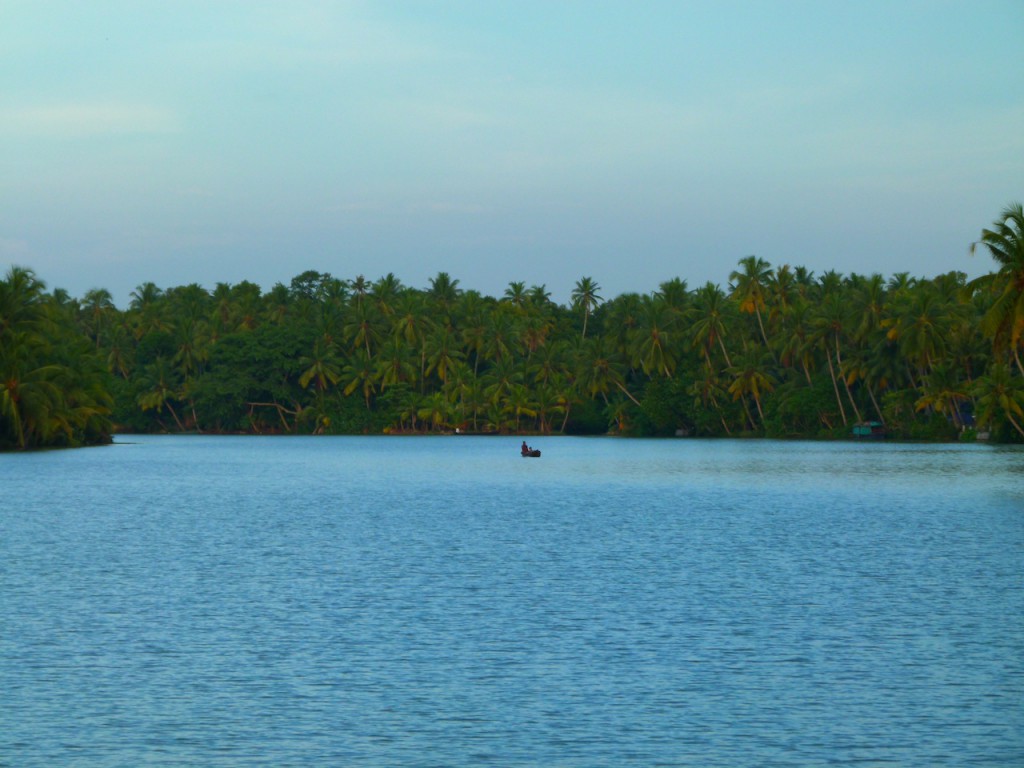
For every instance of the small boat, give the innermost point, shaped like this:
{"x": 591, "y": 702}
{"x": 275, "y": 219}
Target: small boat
{"x": 869, "y": 429}
{"x": 531, "y": 454}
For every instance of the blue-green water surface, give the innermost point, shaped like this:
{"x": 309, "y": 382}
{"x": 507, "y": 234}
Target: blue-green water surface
{"x": 402, "y": 601}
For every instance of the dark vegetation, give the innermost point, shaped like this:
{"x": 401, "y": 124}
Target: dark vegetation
{"x": 780, "y": 352}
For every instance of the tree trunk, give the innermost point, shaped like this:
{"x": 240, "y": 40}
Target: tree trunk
{"x": 846, "y": 386}
{"x": 835, "y": 386}
{"x": 1015, "y": 424}
{"x": 177, "y": 421}
{"x": 874, "y": 402}
{"x": 630, "y": 396}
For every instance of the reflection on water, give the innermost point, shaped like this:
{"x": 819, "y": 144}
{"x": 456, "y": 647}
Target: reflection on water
{"x": 441, "y": 601}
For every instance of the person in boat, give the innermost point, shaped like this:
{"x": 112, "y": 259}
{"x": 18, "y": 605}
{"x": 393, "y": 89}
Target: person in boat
{"x": 525, "y": 449}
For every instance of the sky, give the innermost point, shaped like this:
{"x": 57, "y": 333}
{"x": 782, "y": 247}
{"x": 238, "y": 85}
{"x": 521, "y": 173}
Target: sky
{"x": 630, "y": 141}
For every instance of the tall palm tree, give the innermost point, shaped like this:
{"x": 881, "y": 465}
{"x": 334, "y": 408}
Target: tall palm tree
{"x": 516, "y": 294}
{"x": 360, "y": 373}
{"x": 444, "y": 291}
{"x": 750, "y": 378}
{"x": 98, "y": 306}
{"x": 385, "y": 293}
{"x": 442, "y": 352}
{"x": 652, "y": 346}
{"x": 396, "y": 363}
{"x": 675, "y": 294}
{"x": 322, "y": 366}
{"x": 412, "y": 324}
{"x": 831, "y": 322}
{"x": 586, "y": 298}
{"x": 146, "y": 306}
{"x": 750, "y": 288}
{"x": 1004, "y": 321}
{"x": 363, "y": 327}
{"x": 709, "y": 326}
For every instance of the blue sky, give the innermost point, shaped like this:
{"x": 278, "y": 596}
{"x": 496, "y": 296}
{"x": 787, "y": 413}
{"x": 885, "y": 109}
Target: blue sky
{"x": 633, "y": 142}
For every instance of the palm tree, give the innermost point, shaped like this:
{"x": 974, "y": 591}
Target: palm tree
{"x": 1000, "y": 396}
{"x": 797, "y": 345}
{"x": 943, "y": 393}
{"x": 1004, "y": 321}
{"x": 500, "y": 380}
{"x": 516, "y": 295}
{"x": 395, "y": 363}
{"x": 549, "y": 402}
{"x": 29, "y": 395}
{"x": 436, "y": 409}
{"x": 520, "y": 402}
{"x": 146, "y": 304}
{"x": 385, "y": 293}
{"x": 161, "y": 388}
{"x": 781, "y": 294}
{"x": 596, "y": 370}
{"x": 500, "y": 343}
{"x": 621, "y": 317}
{"x": 363, "y": 327}
{"x": 444, "y": 292}
{"x": 923, "y": 326}
{"x": 442, "y": 352}
{"x": 412, "y": 324}
{"x": 322, "y": 366}
{"x": 750, "y": 378}
{"x": 360, "y": 373}
{"x": 675, "y": 294}
{"x": 98, "y": 305}
{"x": 709, "y": 321}
{"x": 586, "y": 298}
{"x": 830, "y": 324}
{"x": 651, "y": 347}
{"x": 277, "y": 304}
{"x": 750, "y": 288}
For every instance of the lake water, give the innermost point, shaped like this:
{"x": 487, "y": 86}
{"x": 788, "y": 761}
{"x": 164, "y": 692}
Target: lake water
{"x": 248, "y": 601}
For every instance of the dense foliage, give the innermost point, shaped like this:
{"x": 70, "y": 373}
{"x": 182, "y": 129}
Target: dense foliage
{"x": 54, "y": 386}
{"x": 779, "y": 352}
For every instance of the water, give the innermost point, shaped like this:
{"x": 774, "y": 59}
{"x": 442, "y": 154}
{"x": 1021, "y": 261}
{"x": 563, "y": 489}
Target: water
{"x": 222, "y": 601}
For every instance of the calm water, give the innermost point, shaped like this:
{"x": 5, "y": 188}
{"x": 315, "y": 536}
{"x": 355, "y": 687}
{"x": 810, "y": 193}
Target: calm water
{"x": 220, "y": 601}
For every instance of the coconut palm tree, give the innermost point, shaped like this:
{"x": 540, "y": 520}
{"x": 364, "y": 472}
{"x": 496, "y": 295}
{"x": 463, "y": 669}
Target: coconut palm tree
{"x": 1004, "y": 320}
{"x": 831, "y": 321}
{"x": 360, "y": 373}
{"x": 396, "y": 363}
{"x": 651, "y": 347}
{"x": 322, "y": 366}
{"x": 161, "y": 387}
{"x": 750, "y": 286}
{"x": 586, "y": 298}
{"x": 444, "y": 292}
{"x": 98, "y": 306}
{"x": 516, "y": 294}
{"x": 709, "y": 321}
{"x": 146, "y": 308}
{"x": 442, "y": 351}
{"x": 1000, "y": 396}
{"x": 749, "y": 378}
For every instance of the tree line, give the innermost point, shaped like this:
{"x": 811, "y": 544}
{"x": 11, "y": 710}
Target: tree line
{"x": 778, "y": 352}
